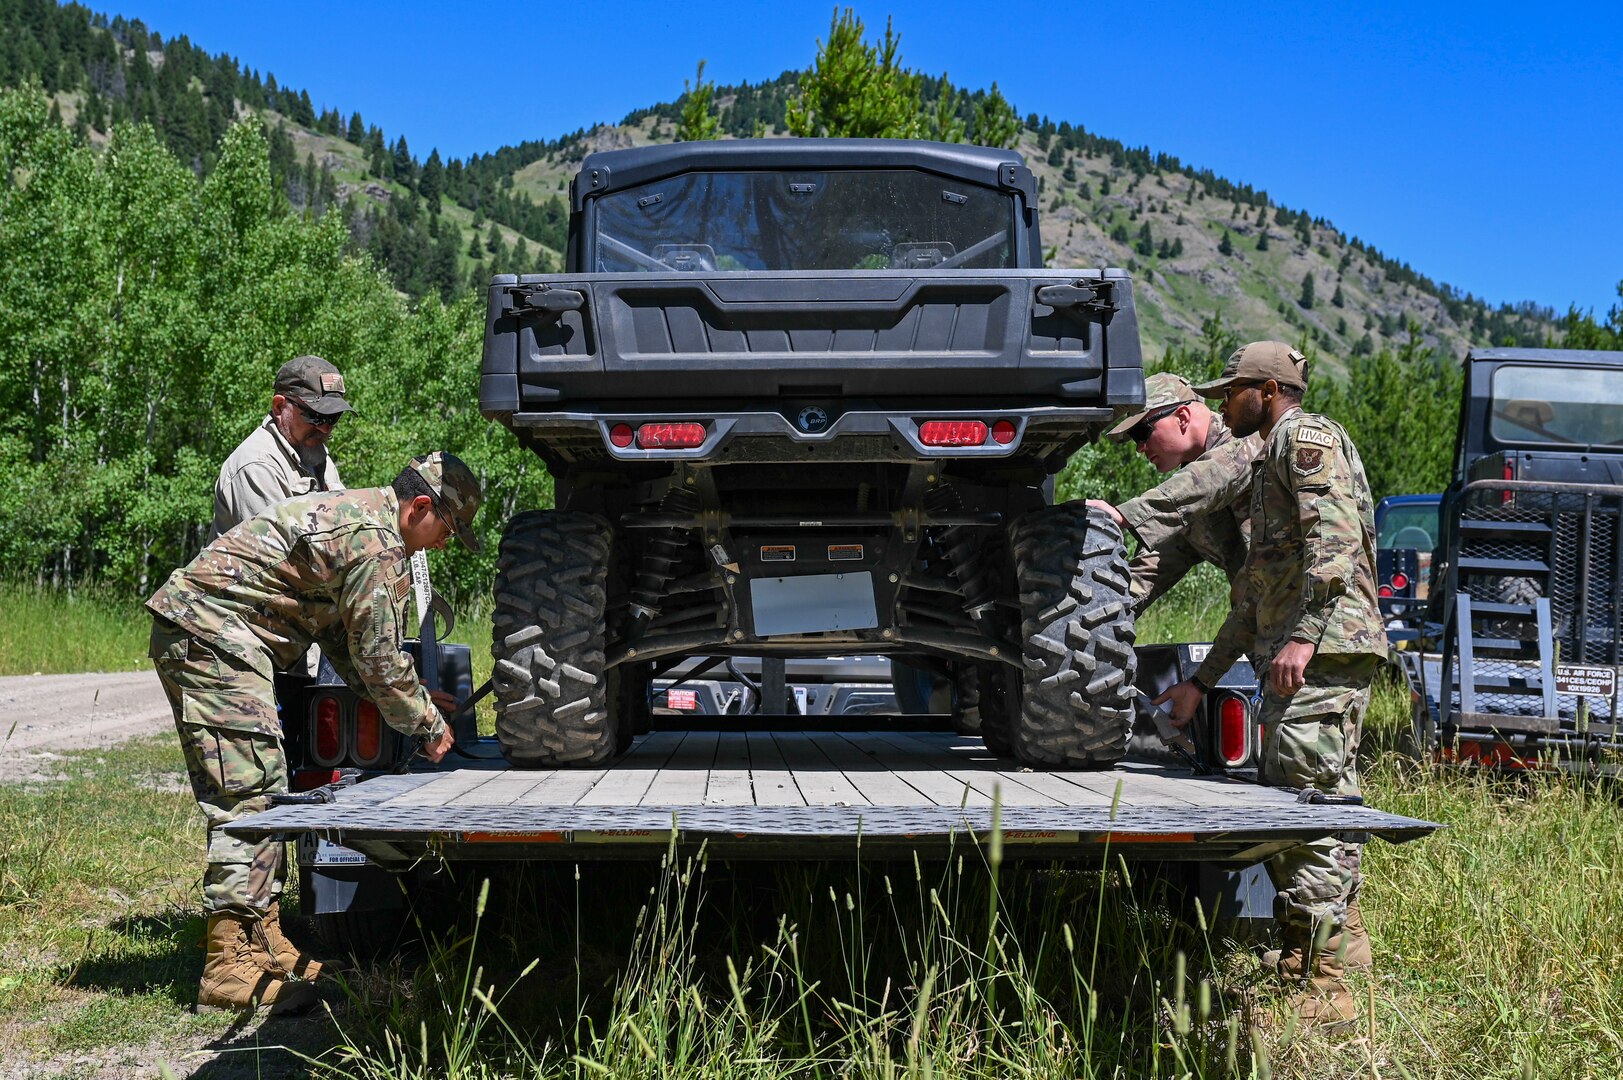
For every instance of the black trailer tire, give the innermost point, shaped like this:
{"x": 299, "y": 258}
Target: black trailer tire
{"x": 552, "y": 699}
{"x": 1075, "y": 693}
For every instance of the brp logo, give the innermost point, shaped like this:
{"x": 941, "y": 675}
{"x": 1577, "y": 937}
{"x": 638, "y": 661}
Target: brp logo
{"x": 812, "y": 420}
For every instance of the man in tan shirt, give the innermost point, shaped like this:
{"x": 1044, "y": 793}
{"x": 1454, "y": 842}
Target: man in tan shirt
{"x": 286, "y": 455}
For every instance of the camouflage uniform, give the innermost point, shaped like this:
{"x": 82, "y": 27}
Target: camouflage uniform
{"x": 328, "y": 569}
{"x": 1201, "y": 513}
{"x": 1310, "y": 577}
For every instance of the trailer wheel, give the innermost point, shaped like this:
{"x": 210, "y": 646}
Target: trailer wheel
{"x": 552, "y": 700}
{"x": 1075, "y": 693}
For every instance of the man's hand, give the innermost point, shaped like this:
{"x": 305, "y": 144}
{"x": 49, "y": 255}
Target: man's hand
{"x": 1186, "y": 698}
{"x": 443, "y": 701}
{"x": 1286, "y": 673}
{"x": 436, "y": 749}
{"x": 1100, "y": 504}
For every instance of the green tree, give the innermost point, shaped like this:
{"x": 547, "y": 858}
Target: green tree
{"x": 1338, "y": 298}
{"x": 1262, "y": 240}
{"x": 1580, "y": 330}
{"x": 431, "y": 182}
{"x": 996, "y": 123}
{"x": 1225, "y": 246}
{"x": 1305, "y": 298}
{"x": 856, "y": 90}
{"x": 943, "y": 123}
{"x": 699, "y": 121}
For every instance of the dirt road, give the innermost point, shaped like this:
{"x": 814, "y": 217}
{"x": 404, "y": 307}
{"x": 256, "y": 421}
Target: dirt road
{"x": 46, "y": 714}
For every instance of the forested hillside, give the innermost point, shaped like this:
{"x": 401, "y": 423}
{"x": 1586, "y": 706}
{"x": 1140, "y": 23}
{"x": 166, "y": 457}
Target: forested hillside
{"x": 174, "y": 225}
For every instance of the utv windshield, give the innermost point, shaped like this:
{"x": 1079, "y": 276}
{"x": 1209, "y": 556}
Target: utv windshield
{"x": 857, "y": 220}
{"x": 1565, "y": 407}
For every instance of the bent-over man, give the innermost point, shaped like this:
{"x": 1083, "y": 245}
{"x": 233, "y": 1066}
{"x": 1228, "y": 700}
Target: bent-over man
{"x": 330, "y": 569}
{"x": 1307, "y": 599}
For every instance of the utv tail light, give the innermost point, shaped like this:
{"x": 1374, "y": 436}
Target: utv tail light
{"x": 1510, "y": 474}
{"x": 1233, "y": 731}
{"x": 1385, "y": 592}
{"x": 952, "y": 433}
{"x": 1400, "y": 582}
{"x": 1003, "y": 432}
{"x": 670, "y": 436}
{"x": 368, "y": 735}
{"x": 621, "y": 435}
{"x": 326, "y": 734}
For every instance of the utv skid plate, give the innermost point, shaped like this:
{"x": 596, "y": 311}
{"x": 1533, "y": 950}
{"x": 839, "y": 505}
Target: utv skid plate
{"x": 819, "y": 795}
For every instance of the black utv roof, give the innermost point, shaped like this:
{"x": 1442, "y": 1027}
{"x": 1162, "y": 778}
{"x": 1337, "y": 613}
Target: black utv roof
{"x": 615, "y": 170}
{"x": 1585, "y": 357}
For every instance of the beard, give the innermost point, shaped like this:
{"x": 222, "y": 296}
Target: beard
{"x": 313, "y": 458}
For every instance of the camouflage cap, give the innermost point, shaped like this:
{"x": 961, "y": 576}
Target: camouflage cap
{"x": 1257, "y": 363}
{"x": 1161, "y": 391}
{"x": 315, "y": 382}
{"x": 456, "y": 492}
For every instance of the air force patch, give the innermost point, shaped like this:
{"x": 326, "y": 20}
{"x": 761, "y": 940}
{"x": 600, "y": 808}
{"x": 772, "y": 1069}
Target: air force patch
{"x": 1309, "y": 460}
{"x": 1315, "y": 437}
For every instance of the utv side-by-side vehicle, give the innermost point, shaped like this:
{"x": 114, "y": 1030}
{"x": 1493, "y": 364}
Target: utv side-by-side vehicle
{"x": 1525, "y": 598}
{"x": 804, "y": 398}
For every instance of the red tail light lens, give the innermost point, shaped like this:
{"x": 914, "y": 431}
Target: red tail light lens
{"x": 1385, "y": 591}
{"x": 368, "y": 734}
{"x": 670, "y": 436}
{"x": 1233, "y": 730}
{"x": 621, "y": 435}
{"x": 952, "y": 433}
{"x": 1510, "y": 474}
{"x": 1003, "y": 432}
{"x": 1400, "y": 581}
{"x": 327, "y": 743}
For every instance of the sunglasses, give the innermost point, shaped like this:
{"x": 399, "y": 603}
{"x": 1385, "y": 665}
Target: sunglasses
{"x": 313, "y": 418}
{"x": 1235, "y": 388}
{"x": 1140, "y": 431}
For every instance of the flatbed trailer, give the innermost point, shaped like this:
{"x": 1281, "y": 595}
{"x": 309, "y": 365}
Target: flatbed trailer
{"x": 832, "y": 795}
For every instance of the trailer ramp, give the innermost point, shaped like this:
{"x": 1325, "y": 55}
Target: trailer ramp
{"x": 826, "y": 795}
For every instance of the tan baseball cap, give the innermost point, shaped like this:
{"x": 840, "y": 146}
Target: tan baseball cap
{"x": 1163, "y": 390}
{"x": 1256, "y": 363}
{"x": 456, "y": 491}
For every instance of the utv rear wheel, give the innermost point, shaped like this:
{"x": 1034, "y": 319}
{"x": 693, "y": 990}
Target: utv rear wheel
{"x": 552, "y": 704}
{"x": 1075, "y": 694}
{"x": 985, "y": 699}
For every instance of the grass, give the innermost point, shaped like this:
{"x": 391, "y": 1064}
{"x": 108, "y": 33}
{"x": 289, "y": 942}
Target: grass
{"x": 47, "y": 633}
{"x": 1499, "y": 949}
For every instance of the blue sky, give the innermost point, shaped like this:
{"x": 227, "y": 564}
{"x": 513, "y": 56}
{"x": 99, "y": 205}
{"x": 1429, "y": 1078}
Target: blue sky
{"x": 1481, "y": 142}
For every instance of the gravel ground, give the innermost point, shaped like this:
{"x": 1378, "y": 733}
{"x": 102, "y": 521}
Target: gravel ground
{"x": 52, "y": 713}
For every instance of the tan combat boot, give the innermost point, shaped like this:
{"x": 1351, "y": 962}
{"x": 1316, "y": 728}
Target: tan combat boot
{"x": 1324, "y": 1002}
{"x": 237, "y": 974}
{"x": 1350, "y": 943}
{"x": 289, "y": 957}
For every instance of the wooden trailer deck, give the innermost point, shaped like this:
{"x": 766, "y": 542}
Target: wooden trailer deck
{"x": 823, "y": 794}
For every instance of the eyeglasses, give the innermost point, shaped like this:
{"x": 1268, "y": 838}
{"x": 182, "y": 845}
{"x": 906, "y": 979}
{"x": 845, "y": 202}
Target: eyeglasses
{"x": 1234, "y": 388}
{"x": 1140, "y": 431}
{"x": 313, "y": 418}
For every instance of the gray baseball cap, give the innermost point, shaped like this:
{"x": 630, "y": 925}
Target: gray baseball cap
{"x": 316, "y": 383}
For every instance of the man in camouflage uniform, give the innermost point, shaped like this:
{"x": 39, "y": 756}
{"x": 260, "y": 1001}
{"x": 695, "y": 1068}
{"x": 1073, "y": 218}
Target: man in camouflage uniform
{"x": 286, "y": 455}
{"x": 331, "y": 569}
{"x": 1307, "y": 598}
{"x": 1201, "y": 513}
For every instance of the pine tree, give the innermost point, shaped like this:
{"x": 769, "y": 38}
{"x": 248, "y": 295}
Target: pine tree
{"x": 1225, "y": 247}
{"x": 1339, "y": 299}
{"x": 1262, "y": 240}
{"x": 699, "y": 121}
{"x": 856, "y": 90}
{"x": 996, "y": 123}
{"x": 493, "y": 239}
{"x": 1146, "y": 241}
{"x": 357, "y": 130}
{"x": 1305, "y": 300}
{"x": 431, "y": 184}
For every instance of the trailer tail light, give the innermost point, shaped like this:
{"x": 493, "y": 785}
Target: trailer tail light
{"x": 310, "y": 779}
{"x": 670, "y": 436}
{"x": 621, "y": 435}
{"x": 1510, "y": 474}
{"x": 326, "y": 732}
{"x": 1385, "y": 592}
{"x": 1003, "y": 432}
{"x": 1233, "y": 731}
{"x": 1400, "y": 581}
{"x": 952, "y": 433}
{"x": 368, "y": 735}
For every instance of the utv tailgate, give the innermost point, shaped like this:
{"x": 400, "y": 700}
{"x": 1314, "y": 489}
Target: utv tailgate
{"x": 556, "y": 339}
{"x": 823, "y": 795}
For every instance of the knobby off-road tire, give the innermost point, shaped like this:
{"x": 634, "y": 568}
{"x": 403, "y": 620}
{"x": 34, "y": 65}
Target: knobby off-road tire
{"x": 1075, "y": 706}
{"x": 982, "y": 700}
{"x": 552, "y": 704}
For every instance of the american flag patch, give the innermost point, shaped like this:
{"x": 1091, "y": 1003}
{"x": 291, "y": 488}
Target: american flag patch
{"x": 332, "y": 383}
